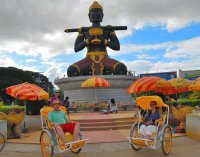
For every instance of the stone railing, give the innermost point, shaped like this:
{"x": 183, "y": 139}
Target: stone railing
{"x": 193, "y": 126}
{"x": 3, "y": 128}
{"x": 101, "y": 105}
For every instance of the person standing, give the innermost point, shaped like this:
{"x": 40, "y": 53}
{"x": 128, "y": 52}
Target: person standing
{"x": 66, "y": 104}
{"x": 56, "y": 96}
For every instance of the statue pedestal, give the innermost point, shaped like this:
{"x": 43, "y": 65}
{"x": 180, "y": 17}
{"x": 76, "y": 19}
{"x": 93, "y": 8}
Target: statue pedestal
{"x": 118, "y": 90}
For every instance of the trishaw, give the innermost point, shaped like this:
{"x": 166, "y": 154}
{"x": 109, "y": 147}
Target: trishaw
{"x": 51, "y": 143}
{"x": 2, "y": 142}
{"x": 162, "y": 137}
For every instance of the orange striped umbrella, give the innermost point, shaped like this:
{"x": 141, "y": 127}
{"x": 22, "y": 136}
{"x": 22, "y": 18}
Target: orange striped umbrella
{"x": 150, "y": 83}
{"x": 95, "y": 82}
{"x": 27, "y": 91}
{"x": 195, "y": 85}
{"x": 180, "y": 85}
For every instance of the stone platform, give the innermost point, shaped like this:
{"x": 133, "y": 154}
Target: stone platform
{"x": 98, "y": 128}
{"x": 92, "y": 121}
{"x": 3, "y": 128}
{"x": 118, "y": 90}
{"x": 102, "y": 122}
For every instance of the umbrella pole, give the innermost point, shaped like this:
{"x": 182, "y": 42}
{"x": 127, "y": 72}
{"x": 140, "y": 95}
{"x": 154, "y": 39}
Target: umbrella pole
{"x": 25, "y": 130}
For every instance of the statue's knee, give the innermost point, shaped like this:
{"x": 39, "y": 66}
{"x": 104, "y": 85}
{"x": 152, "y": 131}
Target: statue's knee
{"x": 73, "y": 70}
{"x": 120, "y": 69}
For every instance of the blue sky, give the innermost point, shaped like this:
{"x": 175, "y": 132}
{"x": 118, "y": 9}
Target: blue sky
{"x": 156, "y": 35}
{"x": 159, "y": 37}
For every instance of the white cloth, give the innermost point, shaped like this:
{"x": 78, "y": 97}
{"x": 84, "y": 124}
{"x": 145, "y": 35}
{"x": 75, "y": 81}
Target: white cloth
{"x": 113, "y": 107}
{"x": 147, "y": 130}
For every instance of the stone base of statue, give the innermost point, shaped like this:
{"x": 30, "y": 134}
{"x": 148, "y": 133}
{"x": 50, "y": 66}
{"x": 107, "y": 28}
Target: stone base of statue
{"x": 117, "y": 90}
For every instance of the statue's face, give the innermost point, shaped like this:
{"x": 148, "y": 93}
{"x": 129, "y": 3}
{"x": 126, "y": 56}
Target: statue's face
{"x": 96, "y": 15}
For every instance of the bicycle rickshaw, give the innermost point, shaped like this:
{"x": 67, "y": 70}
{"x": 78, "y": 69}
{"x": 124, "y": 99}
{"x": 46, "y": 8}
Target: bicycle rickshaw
{"x": 2, "y": 142}
{"x": 50, "y": 142}
{"x": 162, "y": 137}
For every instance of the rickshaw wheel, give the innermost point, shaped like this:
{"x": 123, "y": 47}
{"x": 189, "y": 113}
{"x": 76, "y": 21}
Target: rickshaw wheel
{"x": 46, "y": 144}
{"x": 2, "y": 142}
{"x": 166, "y": 140}
{"x": 135, "y": 133}
{"x": 78, "y": 150}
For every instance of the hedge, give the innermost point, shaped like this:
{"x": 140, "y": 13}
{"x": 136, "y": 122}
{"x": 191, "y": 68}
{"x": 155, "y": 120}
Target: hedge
{"x": 8, "y": 109}
{"x": 188, "y": 102}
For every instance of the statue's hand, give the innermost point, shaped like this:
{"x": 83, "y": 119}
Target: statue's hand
{"x": 100, "y": 37}
{"x": 90, "y": 38}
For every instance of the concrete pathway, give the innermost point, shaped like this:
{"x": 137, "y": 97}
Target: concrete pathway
{"x": 182, "y": 147}
{"x": 107, "y": 136}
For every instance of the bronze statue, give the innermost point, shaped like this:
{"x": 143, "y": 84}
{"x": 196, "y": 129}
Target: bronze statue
{"x": 96, "y": 38}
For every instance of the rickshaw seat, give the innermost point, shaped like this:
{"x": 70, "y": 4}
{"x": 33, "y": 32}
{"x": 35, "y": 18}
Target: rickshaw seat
{"x": 45, "y": 111}
{"x": 141, "y": 142}
{"x": 143, "y": 103}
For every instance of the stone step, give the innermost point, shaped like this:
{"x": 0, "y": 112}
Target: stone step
{"x": 104, "y": 120}
{"x": 106, "y": 124}
{"x": 109, "y": 123}
{"x": 101, "y": 128}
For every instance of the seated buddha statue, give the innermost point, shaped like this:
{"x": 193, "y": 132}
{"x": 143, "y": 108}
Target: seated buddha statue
{"x": 96, "y": 39}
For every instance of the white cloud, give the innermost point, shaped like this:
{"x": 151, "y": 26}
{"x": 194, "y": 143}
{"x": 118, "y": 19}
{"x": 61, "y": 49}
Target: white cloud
{"x": 174, "y": 50}
{"x": 191, "y": 64}
{"x": 7, "y": 62}
{"x": 183, "y": 55}
{"x": 145, "y": 56}
{"x": 31, "y": 60}
{"x": 20, "y": 47}
{"x": 31, "y": 29}
{"x": 35, "y": 28}
{"x": 185, "y": 49}
{"x": 29, "y": 68}
{"x": 146, "y": 66}
{"x": 55, "y": 69}
{"x": 54, "y": 72}
{"x": 138, "y": 48}
{"x": 172, "y": 14}
{"x": 138, "y": 65}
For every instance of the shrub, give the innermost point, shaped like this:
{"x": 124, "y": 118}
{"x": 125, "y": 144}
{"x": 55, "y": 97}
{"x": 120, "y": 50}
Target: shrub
{"x": 195, "y": 95}
{"x": 8, "y": 109}
{"x": 33, "y": 107}
{"x": 186, "y": 102}
{"x": 190, "y": 102}
{"x": 1, "y": 103}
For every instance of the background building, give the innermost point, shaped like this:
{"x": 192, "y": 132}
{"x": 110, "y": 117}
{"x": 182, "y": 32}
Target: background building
{"x": 189, "y": 74}
{"x": 164, "y": 75}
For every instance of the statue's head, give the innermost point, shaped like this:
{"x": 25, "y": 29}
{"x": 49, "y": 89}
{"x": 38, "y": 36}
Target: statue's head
{"x": 95, "y": 12}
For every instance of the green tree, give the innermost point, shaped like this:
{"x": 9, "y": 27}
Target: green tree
{"x": 130, "y": 73}
{"x": 13, "y": 76}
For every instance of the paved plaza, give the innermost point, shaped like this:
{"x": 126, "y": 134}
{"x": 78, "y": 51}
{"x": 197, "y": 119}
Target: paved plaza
{"x": 182, "y": 147}
{"x": 94, "y": 136}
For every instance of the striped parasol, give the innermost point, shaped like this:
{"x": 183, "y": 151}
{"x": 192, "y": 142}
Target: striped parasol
{"x": 195, "y": 85}
{"x": 95, "y": 82}
{"x": 27, "y": 91}
{"x": 180, "y": 85}
{"x": 150, "y": 83}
